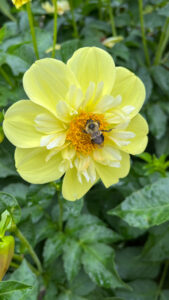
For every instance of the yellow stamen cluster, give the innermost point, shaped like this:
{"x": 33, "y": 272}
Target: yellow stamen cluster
{"x": 78, "y": 137}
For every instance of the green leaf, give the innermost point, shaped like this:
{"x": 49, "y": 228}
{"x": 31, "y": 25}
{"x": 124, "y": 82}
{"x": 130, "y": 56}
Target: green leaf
{"x": 10, "y": 286}
{"x": 120, "y": 50}
{"x": 2, "y": 33}
{"x": 6, "y": 160}
{"x": 142, "y": 290}
{"x": 157, "y": 120}
{"x": 162, "y": 145}
{"x": 69, "y": 296}
{"x": 98, "y": 262}
{"x": 23, "y": 51}
{"x": 68, "y": 48}
{"x": 161, "y": 78}
{"x": 17, "y": 64}
{"x": 143, "y": 73}
{"x": 51, "y": 292}
{"x": 146, "y": 207}
{"x": 72, "y": 209}
{"x": 5, "y": 9}
{"x": 10, "y": 203}
{"x": 164, "y": 295}
{"x": 71, "y": 258}
{"x": 53, "y": 247}
{"x": 153, "y": 20}
{"x": 156, "y": 247}
{"x": 113, "y": 298}
{"x": 82, "y": 285}
{"x": 44, "y": 229}
{"x": 25, "y": 276}
{"x": 131, "y": 265}
{"x": 44, "y": 40}
{"x": 98, "y": 233}
{"x": 75, "y": 225}
{"x": 18, "y": 190}
{"x": 164, "y": 11}
{"x": 41, "y": 194}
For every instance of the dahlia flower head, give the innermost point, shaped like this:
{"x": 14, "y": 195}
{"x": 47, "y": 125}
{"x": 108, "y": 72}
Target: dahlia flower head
{"x": 52, "y": 131}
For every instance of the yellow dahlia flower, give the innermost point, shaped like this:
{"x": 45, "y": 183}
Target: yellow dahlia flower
{"x": 52, "y": 130}
{"x": 19, "y": 3}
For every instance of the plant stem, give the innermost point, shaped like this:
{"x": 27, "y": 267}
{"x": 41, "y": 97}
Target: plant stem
{"x": 76, "y": 34}
{"x": 162, "y": 279}
{"x": 18, "y": 257}
{"x": 54, "y": 28}
{"x": 162, "y": 43}
{"x": 30, "y": 249}
{"x": 143, "y": 32}
{"x": 111, "y": 15}
{"x": 31, "y": 24}
{"x": 6, "y": 77}
{"x": 34, "y": 270}
{"x": 14, "y": 265}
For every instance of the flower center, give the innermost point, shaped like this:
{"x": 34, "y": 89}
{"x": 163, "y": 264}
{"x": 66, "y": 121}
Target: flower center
{"x": 85, "y": 132}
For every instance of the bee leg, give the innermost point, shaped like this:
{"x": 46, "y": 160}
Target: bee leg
{"x": 107, "y": 130}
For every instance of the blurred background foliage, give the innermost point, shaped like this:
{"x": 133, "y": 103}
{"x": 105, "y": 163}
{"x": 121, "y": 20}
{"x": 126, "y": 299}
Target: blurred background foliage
{"x": 115, "y": 244}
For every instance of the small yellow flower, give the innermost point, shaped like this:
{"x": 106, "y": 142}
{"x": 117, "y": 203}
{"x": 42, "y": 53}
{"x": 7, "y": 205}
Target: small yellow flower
{"x": 111, "y": 41}
{"x": 62, "y": 7}
{"x": 51, "y": 130}
{"x": 19, "y": 3}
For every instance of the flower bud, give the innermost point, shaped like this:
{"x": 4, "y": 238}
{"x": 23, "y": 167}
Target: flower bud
{"x": 111, "y": 41}
{"x": 7, "y": 244}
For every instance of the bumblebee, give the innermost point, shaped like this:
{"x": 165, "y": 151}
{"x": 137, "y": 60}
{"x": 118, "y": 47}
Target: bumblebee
{"x": 96, "y": 135}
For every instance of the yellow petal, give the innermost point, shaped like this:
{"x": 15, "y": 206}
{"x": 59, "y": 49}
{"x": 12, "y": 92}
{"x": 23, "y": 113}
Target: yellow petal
{"x": 138, "y": 125}
{"x": 72, "y": 189}
{"x": 91, "y": 64}
{"x": 130, "y": 88}
{"x": 48, "y": 81}
{"x": 19, "y": 125}
{"x": 111, "y": 175}
{"x": 32, "y": 165}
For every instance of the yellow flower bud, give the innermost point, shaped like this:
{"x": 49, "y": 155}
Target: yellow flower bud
{"x": 19, "y": 3}
{"x": 7, "y": 245}
{"x": 111, "y": 41}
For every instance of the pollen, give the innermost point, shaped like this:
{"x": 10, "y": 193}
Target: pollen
{"x": 76, "y": 133}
